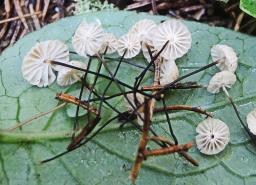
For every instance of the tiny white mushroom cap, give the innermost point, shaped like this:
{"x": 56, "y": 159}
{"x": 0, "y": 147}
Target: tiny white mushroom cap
{"x": 177, "y": 34}
{"x": 35, "y": 66}
{"x": 140, "y": 99}
{"x": 129, "y": 43}
{"x": 70, "y": 76}
{"x": 227, "y": 57}
{"x": 110, "y": 43}
{"x": 88, "y": 38}
{"x": 221, "y": 79}
{"x": 213, "y": 136}
{"x": 142, "y": 28}
{"x": 168, "y": 72}
{"x": 251, "y": 121}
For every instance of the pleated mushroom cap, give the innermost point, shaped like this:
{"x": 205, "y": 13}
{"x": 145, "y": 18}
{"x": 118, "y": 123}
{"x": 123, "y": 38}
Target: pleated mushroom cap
{"x": 226, "y": 55}
{"x": 142, "y": 29}
{"x": 88, "y": 39}
{"x": 221, "y": 79}
{"x": 169, "y": 72}
{"x": 70, "y": 76}
{"x": 36, "y": 68}
{"x": 130, "y": 43}
{"x": 251, "y": 121}
{"x": 213, "y": 136}
{"x": 177, "y": 34}
{"x": 110, "y": 43}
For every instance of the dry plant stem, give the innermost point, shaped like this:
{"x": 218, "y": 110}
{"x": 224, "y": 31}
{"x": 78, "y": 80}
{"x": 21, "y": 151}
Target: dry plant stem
{"x": 182, "y": 153}
{"x": 80, "y": 144}
{"x": 20, "y": 124}
{"x": 85, "y": 131}
{"x": 17, "y": 18}
{"x": 74, "y": 100}
{"x": 238, "y": 21}
{"x": 20, "y": 14}
{"x": 185, "y": 76}
{"x": 154, "y": 8}
{"x": 252, "y": 136}
{"x": 183, "y": 107}
{"x": 143, "y": 142}
{"x": 167, "y": 150}
{"x": 189, "y": 85}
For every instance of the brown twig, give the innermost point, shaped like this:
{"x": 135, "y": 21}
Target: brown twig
{"x": 154, "y": 8}
{"x": 20, "y": 124}
{"x": 238, "y": 21}
{"x": 183, "y": 153}
{"x": 20, "y": 14}
{"x": 19, "y": 17}
{"x": 74, "y": 100}
{"x": 143, "y": 142}
{"x": 167, "y": 150}
{"x": 85, "y": 131}
{"x": 183, "y": 107}
{"x": 175, "y": 86}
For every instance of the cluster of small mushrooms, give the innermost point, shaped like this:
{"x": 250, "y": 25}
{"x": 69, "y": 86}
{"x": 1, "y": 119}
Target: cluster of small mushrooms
{"x": 90, "y": 39}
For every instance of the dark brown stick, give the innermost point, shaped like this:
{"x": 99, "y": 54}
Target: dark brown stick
{"x": 183, "y": 153}
{"x": 74, "y": 100}
{"x": 167, "y": 150}
{"x": 143, "y": 142}
{"x": 183, "y": 107}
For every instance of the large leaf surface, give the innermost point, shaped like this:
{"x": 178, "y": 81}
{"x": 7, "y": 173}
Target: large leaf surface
{"x": 108, "y": 158}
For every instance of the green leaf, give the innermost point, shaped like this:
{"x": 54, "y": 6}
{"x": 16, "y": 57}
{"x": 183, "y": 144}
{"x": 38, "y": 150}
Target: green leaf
{"x": 249, "y": 7}
{"x": 108, "y": 158}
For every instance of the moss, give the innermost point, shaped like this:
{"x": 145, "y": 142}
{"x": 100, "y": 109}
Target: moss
{"x": 84, "y": 6}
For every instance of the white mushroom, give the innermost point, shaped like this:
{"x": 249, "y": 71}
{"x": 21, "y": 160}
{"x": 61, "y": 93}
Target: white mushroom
{"x": 88, "y": 39}
{"x": 168, "y": 72}
{"x": 36, "y": 68}
{"x": 177, "y": 35}
{"x": 142, "y": 29}
{"x": 251, "y": 121}
{"x": 221, "y": 79}
{"x": 110, "y": 43}
{"x": 132, "y": 104}
{"x": 130, "y": 44}
{"x": 213, "y": 136}
{"x": 70, "y": 76}
{"x": 227, "y": 57}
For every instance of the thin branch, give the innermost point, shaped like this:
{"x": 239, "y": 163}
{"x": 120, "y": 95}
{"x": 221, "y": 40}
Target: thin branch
{"x": 20, "y": 124}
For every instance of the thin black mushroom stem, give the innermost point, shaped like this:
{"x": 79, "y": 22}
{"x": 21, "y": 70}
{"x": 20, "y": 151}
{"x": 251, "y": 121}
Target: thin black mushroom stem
{"x": 252, "y": 136}
{"x": 117, "y": 60}
{"x": 169, "y": 123}
{"x": 76, "y": 141}
{"x": 140, "y": 77}
{"x": 165, "y": 88}
{"x": 100, "y": 75}
{"x": 80, "y": 97}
